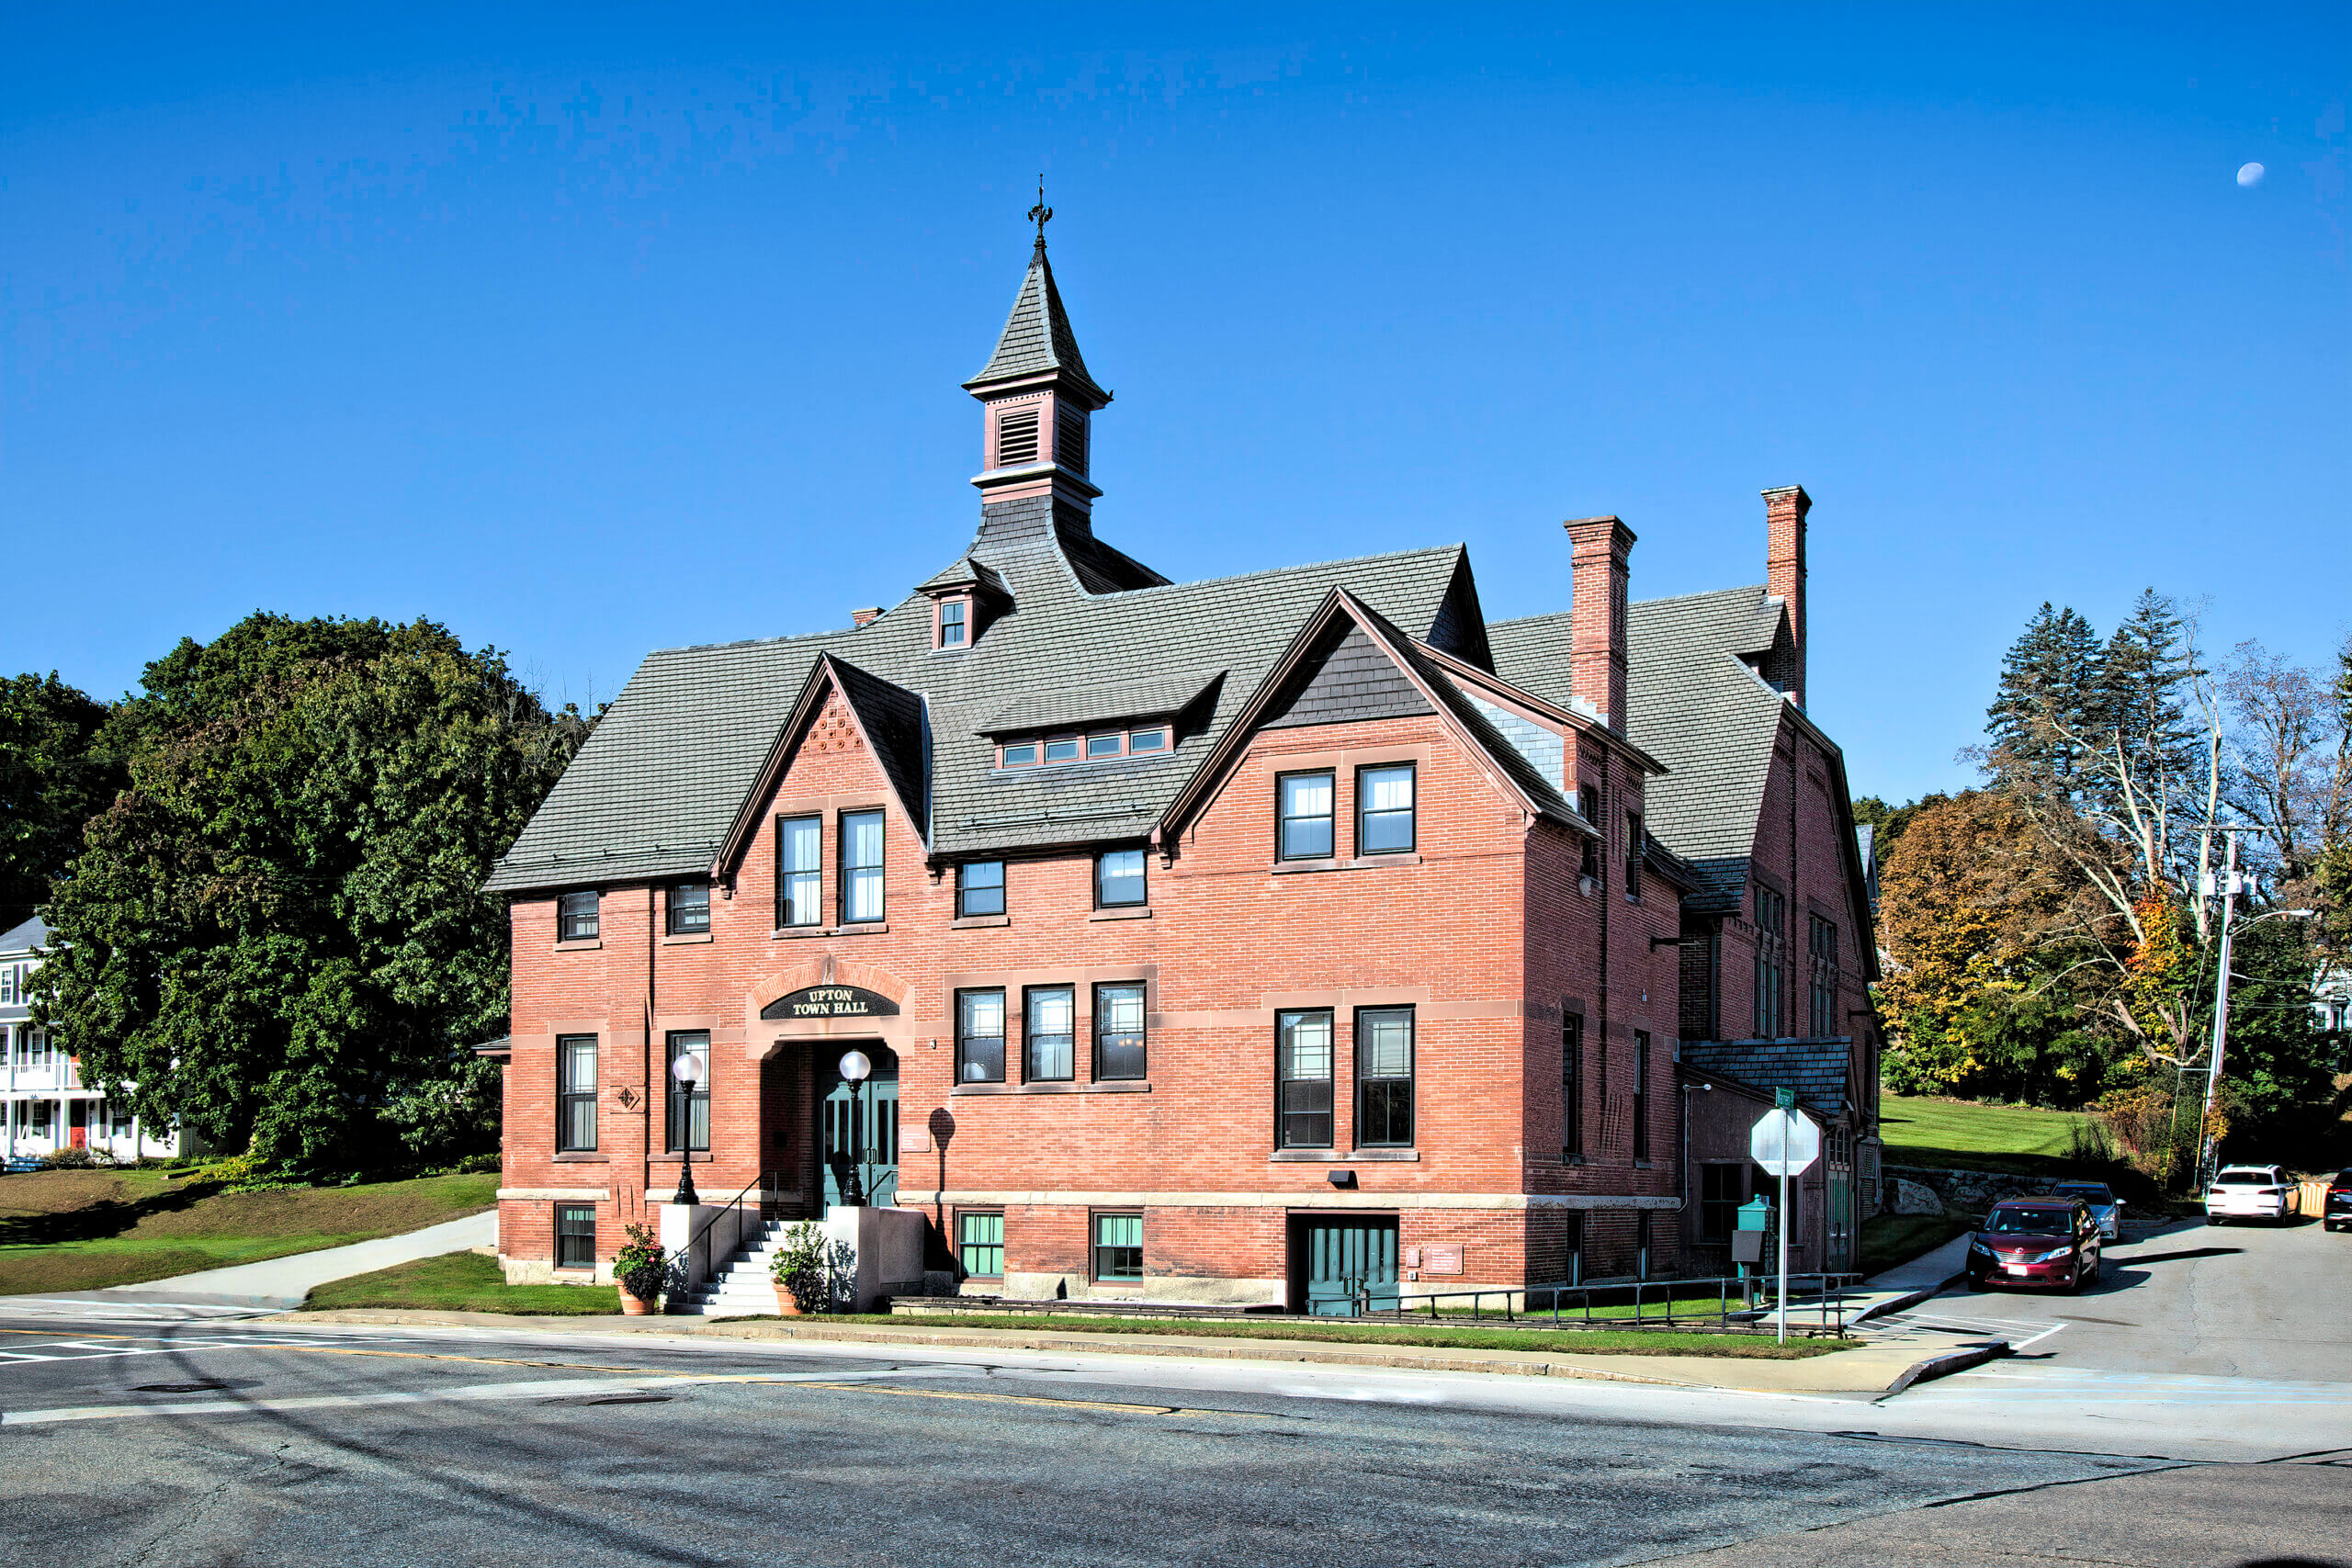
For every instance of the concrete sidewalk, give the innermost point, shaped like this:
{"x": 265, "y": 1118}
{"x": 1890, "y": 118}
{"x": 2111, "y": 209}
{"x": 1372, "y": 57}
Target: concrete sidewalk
{"x": 282, "y": 1282}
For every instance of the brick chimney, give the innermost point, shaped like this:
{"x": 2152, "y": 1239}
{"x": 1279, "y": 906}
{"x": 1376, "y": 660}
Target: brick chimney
{"x": 1784, "y": 511}
{"x": 865, "y": 617}
{"x": 1597, "y": 547}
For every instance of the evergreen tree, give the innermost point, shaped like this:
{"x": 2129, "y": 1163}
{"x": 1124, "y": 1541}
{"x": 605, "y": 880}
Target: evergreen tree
{"x": 2140, "y": 707}
{"x": 2047, "y": 711}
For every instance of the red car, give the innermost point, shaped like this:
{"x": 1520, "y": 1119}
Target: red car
{"x": 2036, "y": 1241}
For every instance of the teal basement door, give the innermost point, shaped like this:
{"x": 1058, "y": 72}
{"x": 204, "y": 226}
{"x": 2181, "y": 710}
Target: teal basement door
{"x": 1348, "y": 1260}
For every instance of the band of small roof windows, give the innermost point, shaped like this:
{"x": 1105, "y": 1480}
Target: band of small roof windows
{"x": 1092, "y": 747}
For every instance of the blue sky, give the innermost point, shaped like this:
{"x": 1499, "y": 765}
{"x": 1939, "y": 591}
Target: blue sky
{"x": 587, "y": 333}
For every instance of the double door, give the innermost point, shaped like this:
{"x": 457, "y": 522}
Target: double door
{"x": 858, "y": 1128}
{"x": 1349, "y": 1264}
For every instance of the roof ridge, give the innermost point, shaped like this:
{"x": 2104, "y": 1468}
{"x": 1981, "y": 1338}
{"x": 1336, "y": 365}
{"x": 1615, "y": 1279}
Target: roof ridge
{"x": 1279, "y": 570}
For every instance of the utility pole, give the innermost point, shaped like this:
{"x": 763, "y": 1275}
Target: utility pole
{"x": 2205, "y": 1142}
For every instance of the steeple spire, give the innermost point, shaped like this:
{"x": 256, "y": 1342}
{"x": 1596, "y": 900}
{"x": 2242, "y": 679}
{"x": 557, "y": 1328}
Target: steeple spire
{"x": 1036, "y": 399}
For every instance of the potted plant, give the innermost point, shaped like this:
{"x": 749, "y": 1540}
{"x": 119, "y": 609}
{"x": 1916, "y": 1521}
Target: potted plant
{"x": 640, "y": 1269}
{"x": 802, "y": 1272}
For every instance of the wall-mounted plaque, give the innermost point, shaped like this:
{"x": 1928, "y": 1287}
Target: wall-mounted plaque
{"x": 1440, "y": 1260}
{"x": 831, "y": 1001}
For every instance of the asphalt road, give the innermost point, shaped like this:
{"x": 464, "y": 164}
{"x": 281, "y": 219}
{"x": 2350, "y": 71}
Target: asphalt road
{"x": 264, "y": 1444}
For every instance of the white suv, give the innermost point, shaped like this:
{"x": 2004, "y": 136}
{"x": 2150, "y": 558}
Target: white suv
{"x": 2250, "y": 1192}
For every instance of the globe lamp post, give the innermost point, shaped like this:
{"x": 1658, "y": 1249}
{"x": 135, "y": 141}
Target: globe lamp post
{"x": 856, "y": 1067}
{"x": 689, "y": 1071}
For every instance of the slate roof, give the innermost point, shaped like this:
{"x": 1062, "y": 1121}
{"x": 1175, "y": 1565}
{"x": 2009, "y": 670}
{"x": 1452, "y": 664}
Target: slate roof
{"x": 1036, "y": 339}
{"x": 653, "y": 792}
{"x": 1819, "y": 1070}
{"x": 961, "y": 570}
{"x": 1692, "y": 703}
{"x": 1158, "y": 697}
{"x": 24, "y": 937}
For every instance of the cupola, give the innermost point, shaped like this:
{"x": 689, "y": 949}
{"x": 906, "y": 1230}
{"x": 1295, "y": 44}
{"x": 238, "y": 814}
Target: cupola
{"x": 1036, "y": 398}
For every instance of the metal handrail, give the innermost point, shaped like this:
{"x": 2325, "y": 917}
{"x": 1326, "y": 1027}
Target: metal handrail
{"x": 1829, "y": 1294}
{"x": 762, "y": 1181}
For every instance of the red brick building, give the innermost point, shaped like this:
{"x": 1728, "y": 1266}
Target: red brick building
{"x": 1262, "y": 938}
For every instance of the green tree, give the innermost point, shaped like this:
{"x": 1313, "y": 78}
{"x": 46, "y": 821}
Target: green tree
{"x": 277, "y": 930}
{"x": 2044, "y": 716}
{"x": 55, "y": 776}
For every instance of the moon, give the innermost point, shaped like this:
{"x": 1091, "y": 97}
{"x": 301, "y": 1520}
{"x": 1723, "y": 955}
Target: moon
{"x": 2250, "y": 174}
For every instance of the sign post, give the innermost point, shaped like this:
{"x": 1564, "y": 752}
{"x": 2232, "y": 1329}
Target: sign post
{"x": 1784, "y": 1143}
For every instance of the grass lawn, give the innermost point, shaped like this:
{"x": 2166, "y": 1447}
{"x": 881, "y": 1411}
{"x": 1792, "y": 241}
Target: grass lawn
{"x": 1967, "y": 1136}
{"x": 84, "y": 1230}
{"x": 461, "y": 1281}
{"x": 1563, "y": 1341}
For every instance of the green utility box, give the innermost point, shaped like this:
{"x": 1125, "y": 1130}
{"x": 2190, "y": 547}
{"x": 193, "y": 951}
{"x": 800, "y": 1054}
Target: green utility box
{"x": 1751, "y": 1241}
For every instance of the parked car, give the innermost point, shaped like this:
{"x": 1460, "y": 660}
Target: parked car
{"x": 2250, "y": 1192}
{"x": 2100, "y": 1200}
{"x": 2337, "y": 1215}
{"x": 2037, "y": 1241}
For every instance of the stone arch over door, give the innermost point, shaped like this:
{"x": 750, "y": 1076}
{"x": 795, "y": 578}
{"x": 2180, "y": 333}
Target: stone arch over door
{"x": 896, "y": 1028}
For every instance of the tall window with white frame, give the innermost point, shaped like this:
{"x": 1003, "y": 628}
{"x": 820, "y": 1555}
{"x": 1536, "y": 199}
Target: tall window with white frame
{"x": 1384, "y": 1078}
{"x": 688, "y": 1119}
{"x": 1303, "y": 823}
{"x": 1050, "y": 1035}
{"x": 1303, "y": 1058}
{"x": 861, "y": 867}
{"x": 979, "y": 1036}
{"x": 575, "y": 1095}
{"x": 1384, "y": 823}
{"x": 800, "y": 871}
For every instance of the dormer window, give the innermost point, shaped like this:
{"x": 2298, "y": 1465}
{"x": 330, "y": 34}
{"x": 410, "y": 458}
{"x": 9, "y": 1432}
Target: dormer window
{"x": 1101, "y": 746}
{"x": 955, "y": 623}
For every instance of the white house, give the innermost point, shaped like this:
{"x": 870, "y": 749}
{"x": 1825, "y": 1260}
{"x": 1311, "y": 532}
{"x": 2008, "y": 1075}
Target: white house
{"x": 43, "y": 1104}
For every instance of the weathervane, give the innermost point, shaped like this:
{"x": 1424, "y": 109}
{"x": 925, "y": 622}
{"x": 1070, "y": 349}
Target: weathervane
{"x": 1041, "y": 214}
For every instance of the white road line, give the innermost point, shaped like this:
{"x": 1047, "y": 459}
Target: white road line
{"x": 2037, "y": 1338}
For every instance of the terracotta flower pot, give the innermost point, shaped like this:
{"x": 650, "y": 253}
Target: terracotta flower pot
{"x": 634, "y": 1306}
{"x": 785, "y": 1305}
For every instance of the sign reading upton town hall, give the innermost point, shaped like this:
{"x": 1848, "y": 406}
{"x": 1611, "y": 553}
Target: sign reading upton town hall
{"x": 831, "y": 1001}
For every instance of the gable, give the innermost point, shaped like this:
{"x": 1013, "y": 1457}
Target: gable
{"x": 1345, "y": 679}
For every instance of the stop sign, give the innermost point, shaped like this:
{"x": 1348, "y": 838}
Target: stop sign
{"x": 1784, "y": 1143}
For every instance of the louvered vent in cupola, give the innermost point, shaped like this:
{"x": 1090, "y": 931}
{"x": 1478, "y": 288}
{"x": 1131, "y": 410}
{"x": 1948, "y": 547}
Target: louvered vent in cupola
{"x": 1016, "y": 437}
{"x": 1069, "y": 440}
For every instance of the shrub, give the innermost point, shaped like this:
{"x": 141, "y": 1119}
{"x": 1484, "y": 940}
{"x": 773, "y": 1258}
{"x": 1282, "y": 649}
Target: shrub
{"x": 812, "y": 1266}
{"x": 640, "y": 1265}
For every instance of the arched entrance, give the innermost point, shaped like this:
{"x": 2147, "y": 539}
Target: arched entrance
{"x": 861, "y": 1129}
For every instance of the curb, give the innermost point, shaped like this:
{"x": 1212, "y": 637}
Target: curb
{"x": 1944, "y": 1366}
{"x": 1905, "y": 1302}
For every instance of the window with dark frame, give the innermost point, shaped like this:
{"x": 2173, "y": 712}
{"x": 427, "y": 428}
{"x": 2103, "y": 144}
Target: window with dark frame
{"x": 1303, "y": 1055}
{"x": 1050, "y": 1035}
{"x": 1589, "y": 804}
{"x": 687, "y": 1114}
{"x": 1771, "y": 913}
{"x": 1119, "y": 1047}
{"x": 952, "y": 625}
{"x": 1118, "y": 1247}
{"x": 1571, "y": 1087}
{"x": 576, "y": 917}
{"x": 861, "y": 867}
{"x": 1303, "y": 827}
{"x": 1640, "y": 1094}
{"x": 1822, "y": 961}
{"x": 1642, "y": 1227}
{"x": 979, "y": 888}
{"x": 575, "y": 1235}
{"x": 1721, "y": 1189}
{"x": 1573, "y": 1249}
{"x": 1633, "y": 856}
{"x": 688, "y": 910}
{"x": 1104, "y": 746}
{"x": 575, "y": 1094}
{"x": 979, "y": 1036}
{"x": 980, "y": 1244}
{"x": 1384, "y": 809}
{"x": 800, "y": 871}
{"x": 1384, "y": 1078}
{"x": 1118, "y": 879}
